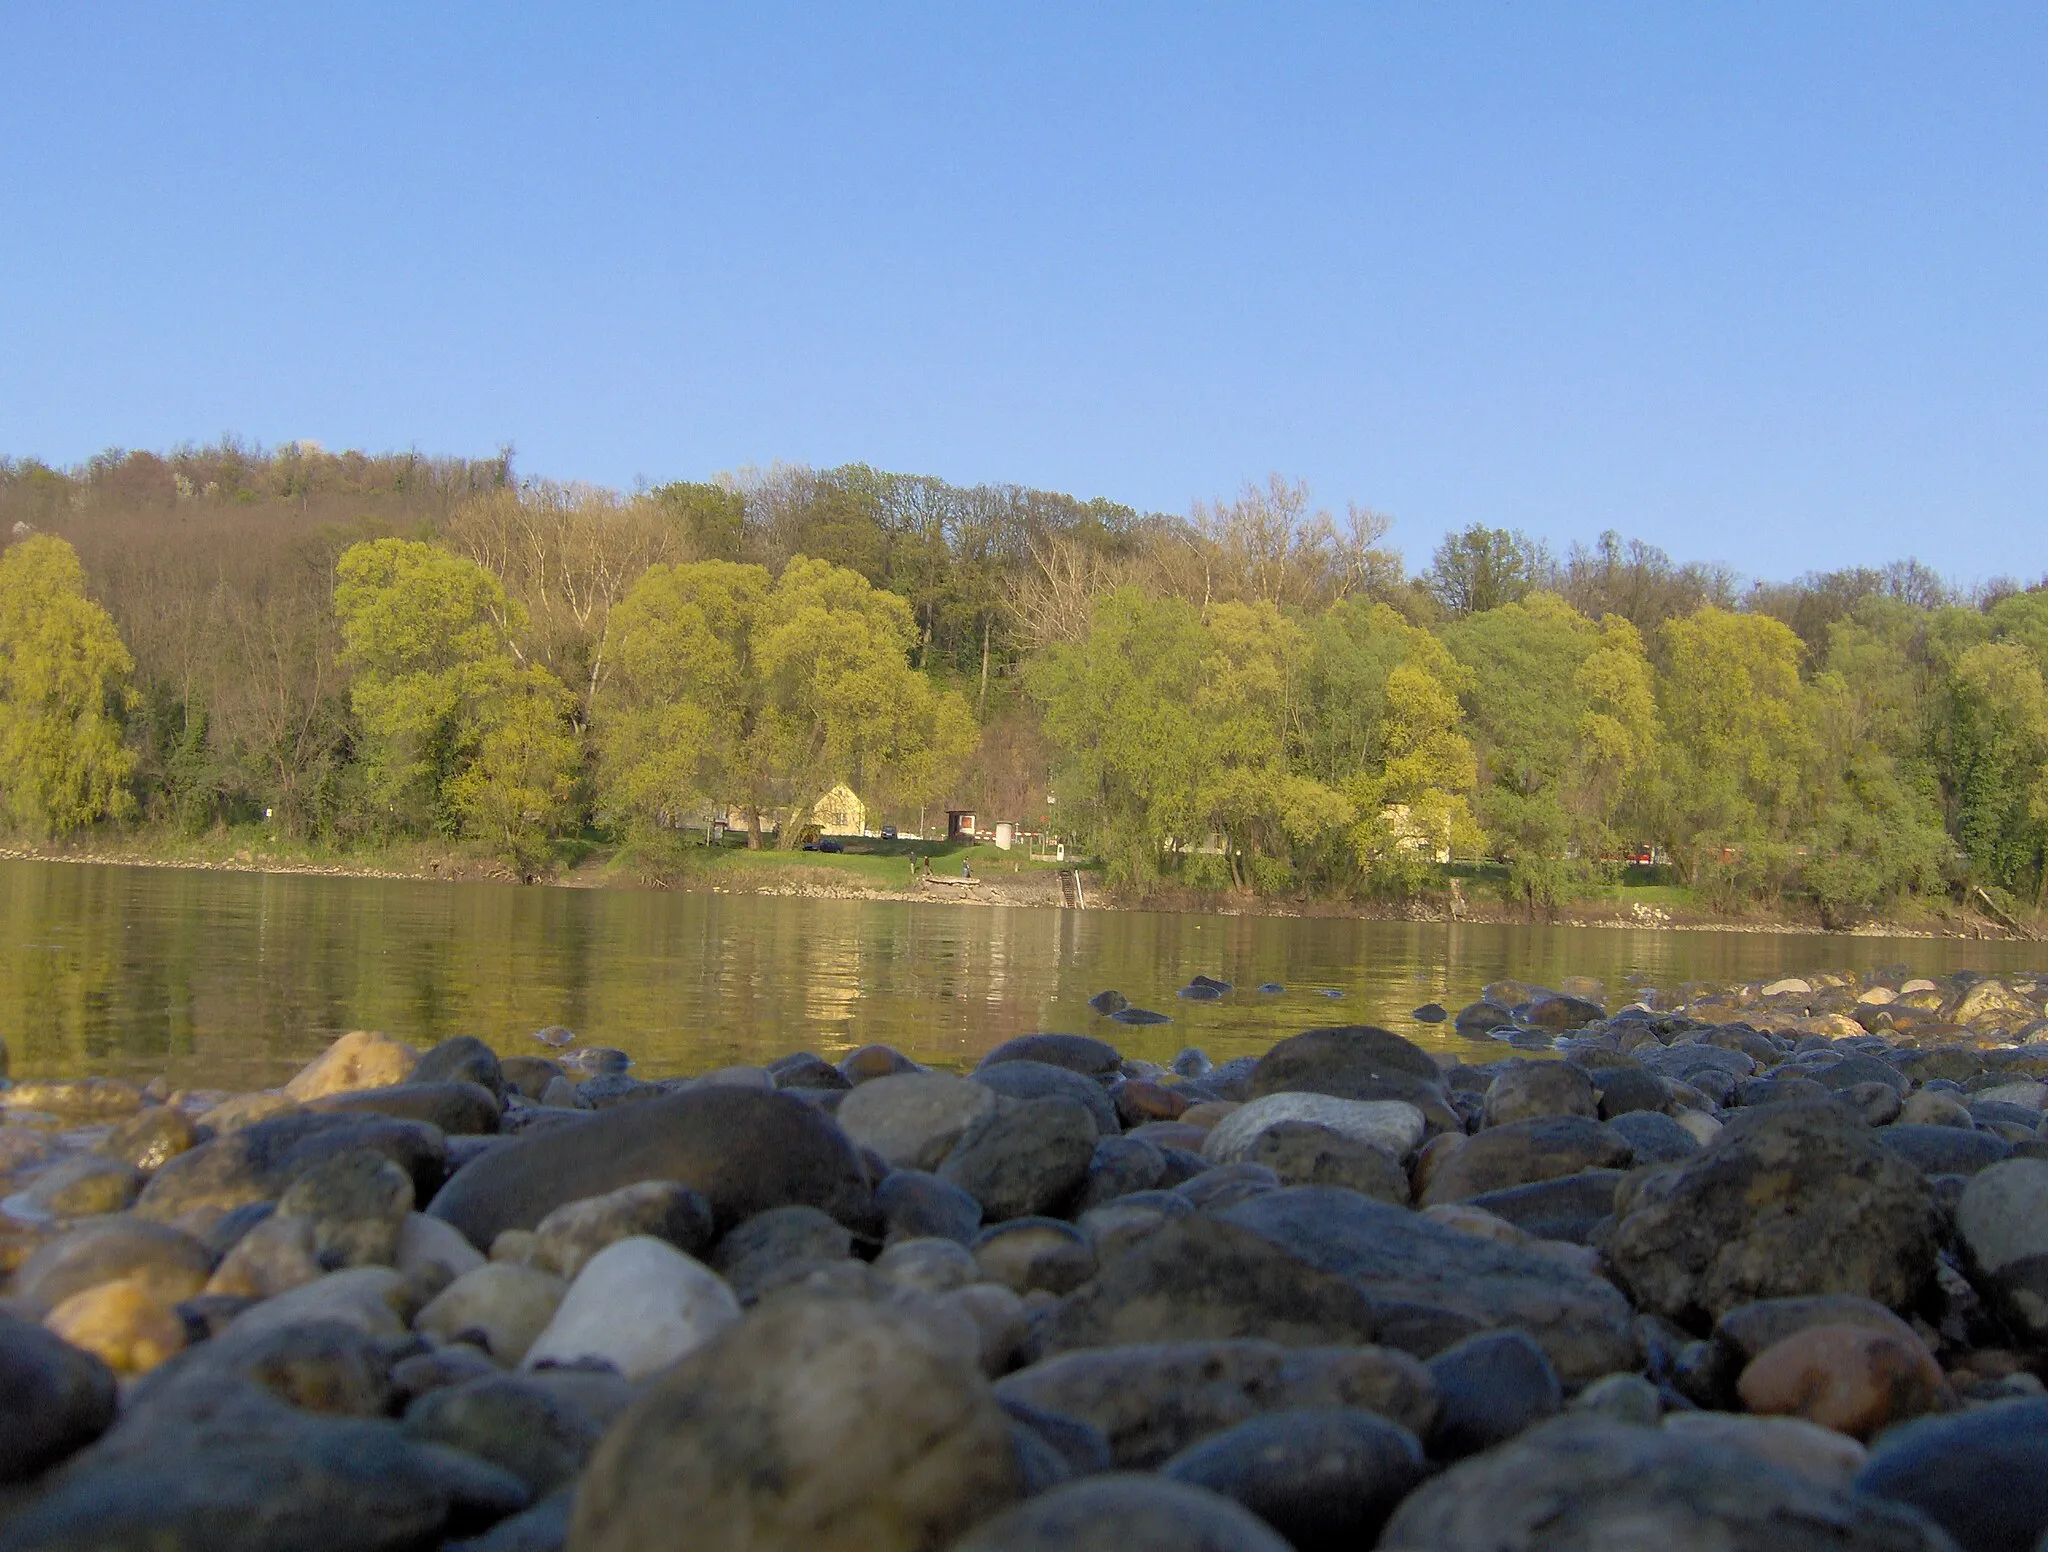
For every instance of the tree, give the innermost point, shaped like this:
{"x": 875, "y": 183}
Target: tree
{"x": 1483, "y": 568}
{"x": 1992, "y": 753}
{"x": 1388, "y": 739}
{"x": 678, "y": 727}
{"x": 1740, "y": 747}
{"x": 1249, "y": 707}
{"x": 1565, "y": 720}
{"x": 1116, "y": 706}
{"x": 458, "y": 732}
{"x": 63, "y": 691}
{"x": 760, "y": 697}
{"x": 842, "y": 702}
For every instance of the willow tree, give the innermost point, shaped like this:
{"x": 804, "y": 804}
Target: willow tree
{"x": 1565, "y": 722}
{"x": 63, "y": 691}
{"x": 760, "y": 696}
{"x": 1742, "y": 744}
{"x": 461, "y": 735}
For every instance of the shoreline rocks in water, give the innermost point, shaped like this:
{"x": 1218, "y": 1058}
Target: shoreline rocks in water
{"x": 1749, "y": 1266}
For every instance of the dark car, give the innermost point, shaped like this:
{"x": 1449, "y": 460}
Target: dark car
{"x": 888, "y": 832}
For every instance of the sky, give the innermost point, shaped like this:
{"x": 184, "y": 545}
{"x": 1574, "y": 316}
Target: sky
{"x": 1764, "y": 284}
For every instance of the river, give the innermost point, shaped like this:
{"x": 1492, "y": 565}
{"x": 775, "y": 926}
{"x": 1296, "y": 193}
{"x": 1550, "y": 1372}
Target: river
{"x": 235, "y": 979}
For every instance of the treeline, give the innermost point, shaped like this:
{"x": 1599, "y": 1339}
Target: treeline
{"x": 1256, "y": 695}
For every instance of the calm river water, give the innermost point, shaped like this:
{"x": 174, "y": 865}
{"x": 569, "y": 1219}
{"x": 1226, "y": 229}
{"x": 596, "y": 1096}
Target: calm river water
{"x": 234, "y": 979}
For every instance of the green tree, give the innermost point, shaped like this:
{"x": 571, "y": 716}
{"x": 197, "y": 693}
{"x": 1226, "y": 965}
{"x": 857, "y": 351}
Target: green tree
{"x": 1252, "y": 790}
{"x": 761, "y": 697}
{"x": 1132, "y": 759}
{"x": 1389, "y": 740}
{"x": 1565, "y": 721}
{"x": 1993, "y": 760}
{"x": 678, "y": 727}
{"x": 460, "y": 735}
{"x": 1740, "y": 748}
{"x": 1483, "y": 568}
{"x": 63, "y": 693}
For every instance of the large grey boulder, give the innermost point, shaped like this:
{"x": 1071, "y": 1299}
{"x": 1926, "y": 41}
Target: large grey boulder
{"x": 1581, "y": 1483}
{"x": 1430, "y": 1285}
{"x": 1791, "y": 1199}
{"x": 743, "y": 1150}
{"x": 815, "y": 1425}
{"x": 1152, "y": 1400}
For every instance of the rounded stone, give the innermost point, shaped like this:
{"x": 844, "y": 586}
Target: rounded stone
{"x": 122, "y": 1324}
{"x": 928, "y": 1265}
{"x": 1584, "y": 1482}
{"x": 1492, "y": 1386}
{"x": 574, "y": 1232}
{"x": 59, "y": 1398}
{"x": 1305, "y": 1153}
{"x": 778, "y": 1247}
{"x": 83, "y": 1186}
{"x": 170, "y": 1264}
{"x": 639, "y": 1304}
{"x": 515, "y": 1425}
{"x": 814, "y": 1425}
{"x": 424, "y": 1241}
{"x": 1791, "y": 1199}
{"x": 1024, "y": 1160}
{"x": 1849, "y": 1378}
{"x": 1022, "y": 1079}
{"x": 360, "y": 1059}
{"x": 1035, "y": 1253}
{"x": 1125, "y": 1513}
{"x": 743, "y": 1150}
{"x": 1077, "y": 1053}
{"x": 1392, "y": 1126}
{"x": 150, "y": 1138}
{"x": 913, "y": 1119}
{"x": 1524, "y": 1152}
{"x": 1324, "y": 1478}
{"x": 459, "y": 1109}
{"x": 276, "y": 1256}
{"x": 1981, "y": 1475}
{"x": 503, "y": 1308}
{"x": 1531, "y": 1089}
{"x": 916, "y": 1205}
{"x": 357, "y": 1203}
{"x": 1622, "y": 1398}
{"x": 461, "y": 1059}
{"x": 1789, "y": 1443}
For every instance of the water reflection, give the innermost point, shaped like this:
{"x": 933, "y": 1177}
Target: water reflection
{"x": 236, "y": 978}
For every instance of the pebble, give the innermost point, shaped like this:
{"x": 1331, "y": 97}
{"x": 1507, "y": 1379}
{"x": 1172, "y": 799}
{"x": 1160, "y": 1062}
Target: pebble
{"x": 1322, "y": 1477}
{"x": 1122, "y": 1512}
{"x": 1035, "y": 1253}
{"x": 1981, "y": 1475}
{"x": 1852, "y": 1379}
{"x": 878, "y": 1437}
{"x": 60, "y": 1397}
{"x": 501, "y": 1307}
{"x": 123, "y": 1324}
{"x": 1026, "y": 1159}
{"x": 913, "y": 1119}
{"x": 1491, "y": 1387}
{"x": 1392, "y": 1126}
{"x": 1791, "y": 1443}
{"x": 360, "y": 1059}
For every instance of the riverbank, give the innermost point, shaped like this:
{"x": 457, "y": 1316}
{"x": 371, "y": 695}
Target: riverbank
{"x": 999, "y": 879}
{"x": 1742, "y": 1264}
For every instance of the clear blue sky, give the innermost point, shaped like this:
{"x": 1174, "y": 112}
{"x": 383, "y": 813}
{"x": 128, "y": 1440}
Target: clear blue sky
{"x": 1764, "y": 283}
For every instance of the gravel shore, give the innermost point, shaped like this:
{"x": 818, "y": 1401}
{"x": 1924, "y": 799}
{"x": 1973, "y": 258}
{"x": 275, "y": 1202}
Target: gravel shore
{"x": 1732, "y": 1266}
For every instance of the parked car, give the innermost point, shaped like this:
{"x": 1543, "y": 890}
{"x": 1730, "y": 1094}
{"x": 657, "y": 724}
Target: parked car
{"x": 888, "y": 832}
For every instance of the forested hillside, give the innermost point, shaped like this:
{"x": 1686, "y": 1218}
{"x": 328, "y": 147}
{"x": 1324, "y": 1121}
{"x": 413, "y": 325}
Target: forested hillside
{"x": 1257, "y": 695}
